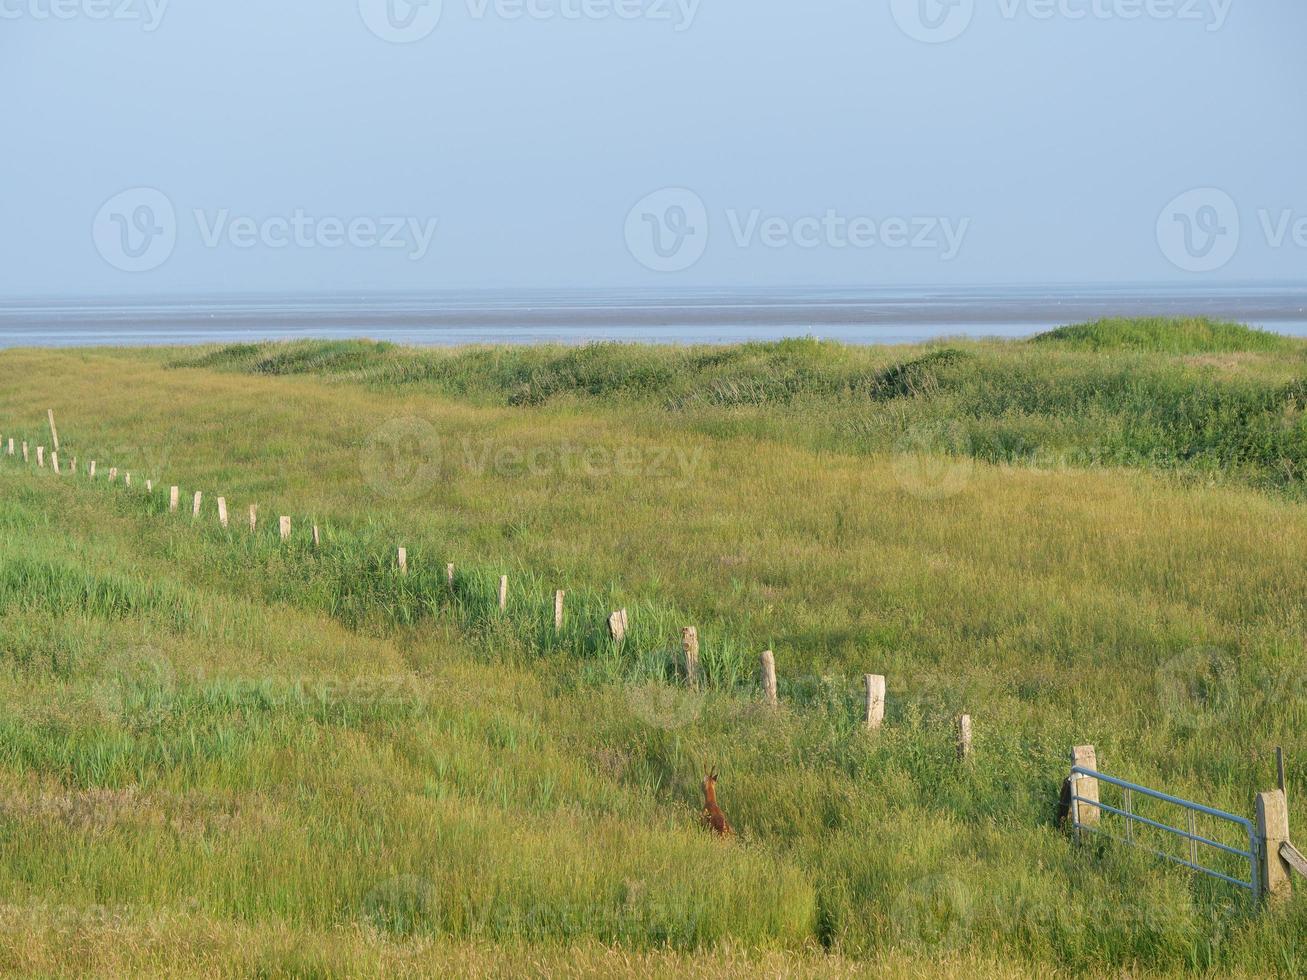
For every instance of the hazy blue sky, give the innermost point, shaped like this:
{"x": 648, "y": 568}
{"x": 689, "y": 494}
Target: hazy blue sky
{"x": 823, "y": 142}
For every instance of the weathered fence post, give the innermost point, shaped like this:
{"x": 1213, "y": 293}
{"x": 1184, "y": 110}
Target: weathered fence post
{"x": 149, "y": 486}
{"x": 174, "y": 499}
{"x": 285, "y": 527}
{"x": 25, "y": 459}
{"x": 964, "y": 737}
{"x": 875, "y": 701}
{"x": 449, "y": 574}
{"x": 54, "y": 433}
{"x": 54, "y": 461}
{"x": 222, "y": 512}
{"x": 127, "y": 479}
{"x": 11, "y": 445}
{"x": 317, "y": 537}
{"x": 503, "y": 592}
{"x": 195, "y": 507}
{"x": 40, "y": 456}
{"x": 73, "y": 469}
{"x": 113, "y": 473}
{"x": 617, "y": 623}
{"x": 690, "y": 646}
{"x": 559, "y": 597}
{"x": 91, "y": 471}
{"x": 769, "y": 678}
{"x": 1272, "y": 834}
{"x": 254, "y": 517}
{"x": 402, "y": 556}
{"x": 1085, "y": 787}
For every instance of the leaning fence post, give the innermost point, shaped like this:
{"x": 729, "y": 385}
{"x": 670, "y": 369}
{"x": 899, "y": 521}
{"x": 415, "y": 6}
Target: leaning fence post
{"x": 402, "y": 556}
{"x": 54, "y": 433}
{"x": 54, "y": 461}
{"x": 503, "y": 592}
{"x": 875, "y": 701}
{"x": 1084, "y": 787}
{"x": 1272, "y": 834}
{"x": 964, "y": 737}
{"x": 769, "y": 677}
{"x": 285, "y": 527}
{"x": 690, "y": 646}
{"x": 559, "y": 596}
{"x": 174, "y": 499}
{"x": 222, "y": 512}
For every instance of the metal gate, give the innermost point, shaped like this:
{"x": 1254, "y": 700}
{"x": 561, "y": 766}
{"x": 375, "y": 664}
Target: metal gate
{"x": 1195, "y": 841}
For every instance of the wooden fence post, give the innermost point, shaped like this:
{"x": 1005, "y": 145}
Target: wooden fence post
{"x": 964, "y": 737}
{"x": 769, "y": 678}
{"x": 559, "y": 597}
{"x": 1272, "y": 834}
{"x": 222, "y": 512}
{"x": 690, "y": 647}
{"x": 195, "y": 508}
{"x": 254, "y": 517}
{"x": 617, "y": 624}
{"x": 317, "y": 537}
{"x": 73, "y": 469}
{"x": 91, "y": 471}
{"x": 54, "y": 461}
{"x": 503, "y": 592}
{"x": 285, "y": 527}
{"x": 40, "y": 456}
{"x": 11, "y": 445}
{"x": 25, "y": 459}
{"x": 402, "y": 556}
{"x": 174, "y": 499}
{"x": 449, "y": 574}
{"x": 149, "y": 486}
{"x": 113, "y": 473}
{"x": 1085, "y": 787}
{"x": 54, "y": 433}
{"x": 127, "y": 479}
{"x": 875, "y": 701}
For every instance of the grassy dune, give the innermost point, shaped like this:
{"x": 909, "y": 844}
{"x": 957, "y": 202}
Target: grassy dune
{"x": 216, "y": 748}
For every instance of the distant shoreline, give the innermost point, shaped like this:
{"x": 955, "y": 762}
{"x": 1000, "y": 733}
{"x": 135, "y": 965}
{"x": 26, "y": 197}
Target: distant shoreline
{"x": 856, "y": 316}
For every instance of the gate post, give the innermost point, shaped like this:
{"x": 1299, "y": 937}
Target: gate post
{"x": 1273, "y": 831}
{"x": 1084, "y": 787}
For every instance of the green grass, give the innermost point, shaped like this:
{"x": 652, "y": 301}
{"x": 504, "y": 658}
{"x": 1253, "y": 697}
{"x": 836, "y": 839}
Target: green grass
{"x": 219, "y": 753}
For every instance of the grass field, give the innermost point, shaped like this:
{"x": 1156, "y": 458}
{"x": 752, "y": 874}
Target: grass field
{"x": 221, "y": 754}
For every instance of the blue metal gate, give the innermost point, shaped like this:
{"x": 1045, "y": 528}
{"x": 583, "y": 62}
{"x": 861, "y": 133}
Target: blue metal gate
{"x": 1195, "y": 841}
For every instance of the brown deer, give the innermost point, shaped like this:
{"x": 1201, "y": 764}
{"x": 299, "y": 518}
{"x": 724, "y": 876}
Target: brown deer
{"x": 713, "y": 818}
